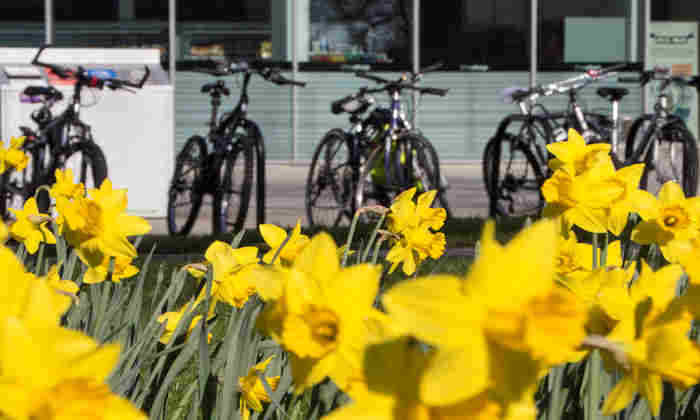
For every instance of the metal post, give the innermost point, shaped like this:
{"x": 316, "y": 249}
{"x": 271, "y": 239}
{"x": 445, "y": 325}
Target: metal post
{"x": 533, "y": 43}
{"x": 632, "y": 30}
{"x": 48, "y": 20}
{"x": 295, "y": 68}
{"x": 646, "y": 26}
{"x": 415, "y": 44}
{"x": 172, "y": 41}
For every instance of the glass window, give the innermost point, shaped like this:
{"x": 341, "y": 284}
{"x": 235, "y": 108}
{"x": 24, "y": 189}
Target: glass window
{"x": 681, "y": 10}
{"x": 206, "y": 10}
{"x": 591, "y": 31}
{"x": 85, "y": 10}
{"x": 64, "y": 10}
{"x": 494, "y": 33}
{"x": 360, "y": 31}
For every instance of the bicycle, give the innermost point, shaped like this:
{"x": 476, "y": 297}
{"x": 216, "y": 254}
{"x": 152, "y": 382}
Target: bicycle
{"x": 514, "y": 164}
{"x": 235, "y": 140}
{"x": 347, "y": 166}
{"x": 64, "y": 141}
{"x": 662, "y": 141}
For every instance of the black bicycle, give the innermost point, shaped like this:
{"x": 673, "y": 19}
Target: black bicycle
{"x": 662, "y": 140}
{"x": 225, "y": 170}
{"x": 378, "y": 157}
{"x": 515, "y": 159}
{"x": 60, "y": 142}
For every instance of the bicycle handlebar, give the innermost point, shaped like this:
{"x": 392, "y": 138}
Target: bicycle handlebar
{"x": 402, "y": 82}
{"x": 82, "y": 77}
{"x": 664, "y": 74}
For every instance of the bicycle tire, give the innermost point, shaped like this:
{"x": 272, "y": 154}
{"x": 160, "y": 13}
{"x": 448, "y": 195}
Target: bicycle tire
{"x": 223, "y": 220}
{"x": 662, "y": 166}
{"x": 426, "y": 169}
{"x": 189, "y": 165}
{"x": 507, "y": 188}
{"x": 331, "y": 172}
{"x": 635, "y": 136}
{"x": 17, "y": 186}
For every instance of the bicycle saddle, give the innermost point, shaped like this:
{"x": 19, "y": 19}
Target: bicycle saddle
{"x": 611, "y": 93}
{"x": 49, "y": 92}
{"x": 351, "y": 104}
{"x": 217, "y": 88}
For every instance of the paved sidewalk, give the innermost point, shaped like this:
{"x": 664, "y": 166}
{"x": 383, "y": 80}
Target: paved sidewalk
{"x": 285, "y": 197}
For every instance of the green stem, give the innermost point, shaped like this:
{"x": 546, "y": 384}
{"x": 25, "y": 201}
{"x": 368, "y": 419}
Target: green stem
{"x": 372, "y": 238}
{"x": 353, "y": 226}
{"x": 594, "y": 246}
{"x": 604, "y": 250}
{"x": 593, "y": 394}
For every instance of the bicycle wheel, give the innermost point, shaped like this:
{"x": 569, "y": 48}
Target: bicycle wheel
{"x": 235, "y": 183}
{"x": 184, "y": 195}
{"x": 371, "y": 187}
{"x": 513, "y": 178}
{"x": 672, "y": 155}
{"x": 88, "y": 164}
{"x": 425, "y": 169}
{"x": 17, "y": 186}
{"x": 330, "y": 185}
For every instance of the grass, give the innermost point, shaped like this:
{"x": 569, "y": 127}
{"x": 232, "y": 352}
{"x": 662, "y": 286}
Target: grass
{"x": 460, "y": 233}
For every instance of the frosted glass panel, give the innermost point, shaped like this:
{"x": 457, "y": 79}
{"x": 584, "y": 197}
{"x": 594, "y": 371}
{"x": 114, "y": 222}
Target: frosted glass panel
{"x": 594, "y": 39}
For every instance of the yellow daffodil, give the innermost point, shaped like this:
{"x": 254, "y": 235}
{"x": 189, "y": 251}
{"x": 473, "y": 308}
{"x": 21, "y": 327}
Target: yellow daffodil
{"x": 658, "y": 351}
{"x": 65, "y": 290}
{"x": 65, "y": 186}
{"x": 172, "y": 319}
{"x": 14, "y": 156}
{"x": 395, "y": 368}
{"x": 575, "y": 157}
{"x": 253, "y": 392}
{"x": 317, "y": 310}
{"x": 55, "y": 373}
{"x": 407, "y": 215}
{"x": 630, "y": 199}
{"x": 30, "y": 226}
{"x": 415, "y": 245}
{"x": 412, "y": 223}
{"x": 122, "y": 269}
{"x": 100, "y": 226}
{"x": 233, "y": 269}
{"x": 274, "y": 237}
{"x": 491, "y": 304}
{"x": 672, "y": 223}
{"x": 581, "y": 200}
{"x": 24, "y": 296}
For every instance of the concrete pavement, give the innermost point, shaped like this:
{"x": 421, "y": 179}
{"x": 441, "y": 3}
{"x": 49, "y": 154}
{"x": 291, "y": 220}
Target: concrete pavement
{"x": 285, "y": 197}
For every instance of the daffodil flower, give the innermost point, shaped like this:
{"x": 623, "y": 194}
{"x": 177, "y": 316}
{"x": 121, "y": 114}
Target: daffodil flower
{"x": 253, "y": 393}
{"x": 274, "y": 237}
{"x": 517, "y": 305}
{"x": 582, "y": 200}
{"x": 23, "y": 296}
{"x": 56, "y": 373}
{"x": 30, "y": 226}
{"x": 233, "y": 269}
{"x": 13, "y": 156}
{"x": 99, "y": 227}
{"x": 122, "y": 269}
{"x": 672, "y": 222}
{"x": 65, "y": 187}
{"x": 575, "y": 157}
{"x": 658, "y": 349}
{"x": 172, "y": 319}
{"x": 316, "y": 310}
{"x": 65, "y": 290}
